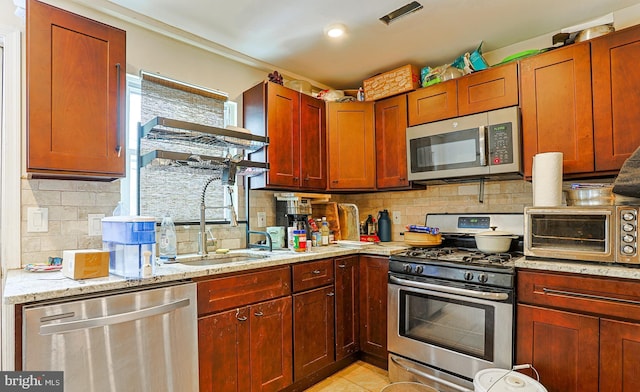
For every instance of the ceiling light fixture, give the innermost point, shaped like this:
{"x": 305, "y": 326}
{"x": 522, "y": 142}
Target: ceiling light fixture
{"x": 400, "y": 12}
{"x": 336, "y": 30}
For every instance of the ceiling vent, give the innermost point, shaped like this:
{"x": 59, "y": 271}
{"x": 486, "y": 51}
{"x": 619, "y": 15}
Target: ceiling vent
{"x": 400, "y": 12}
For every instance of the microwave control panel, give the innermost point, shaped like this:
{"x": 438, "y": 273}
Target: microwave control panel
{"x": 628, "y": 235}
{"x": 500, "y": 144}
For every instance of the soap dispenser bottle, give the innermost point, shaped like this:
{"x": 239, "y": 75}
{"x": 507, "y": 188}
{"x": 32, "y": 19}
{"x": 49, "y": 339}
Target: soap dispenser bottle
{"x": 168, "y": 243}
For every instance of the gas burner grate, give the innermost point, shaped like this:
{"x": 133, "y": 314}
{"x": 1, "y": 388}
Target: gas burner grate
{"x": 429, "y": 253}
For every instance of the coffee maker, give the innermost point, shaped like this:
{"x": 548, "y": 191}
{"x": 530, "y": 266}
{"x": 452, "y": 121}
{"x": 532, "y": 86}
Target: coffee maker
{"x": 294, "y": 210}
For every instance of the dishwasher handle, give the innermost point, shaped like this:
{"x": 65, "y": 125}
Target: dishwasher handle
{"x": 119, "y": 318}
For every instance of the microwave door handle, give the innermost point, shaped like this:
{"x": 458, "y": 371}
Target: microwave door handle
{"x": 482, "y": 137}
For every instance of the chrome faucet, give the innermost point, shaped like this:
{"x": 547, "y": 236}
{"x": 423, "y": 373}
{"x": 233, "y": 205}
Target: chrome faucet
{"x": 202, "y": 242}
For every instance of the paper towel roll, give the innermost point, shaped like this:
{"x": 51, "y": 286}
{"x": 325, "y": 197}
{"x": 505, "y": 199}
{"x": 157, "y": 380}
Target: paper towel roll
{"x": 547, "y": 179}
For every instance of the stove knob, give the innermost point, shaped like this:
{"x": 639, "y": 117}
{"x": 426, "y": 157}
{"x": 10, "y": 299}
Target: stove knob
{"x": 628, "y": 227}
{"x": 482, "y": 278}
{"x": 627, "y": 238}
{"x": 628, "y": 250}
{"x": 419, "y": 269}
{"x": 407, "y": 268}
{"x": 628, "y": 216}
{"x": 468, "y": 276}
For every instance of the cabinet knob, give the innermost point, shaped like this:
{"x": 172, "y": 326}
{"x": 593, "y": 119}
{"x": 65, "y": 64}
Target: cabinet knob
{"x": 316, "y": 272}
{"x": 296, "y": 178}
{"x": 342, "y": 265}
{"x": 331, "y": 294}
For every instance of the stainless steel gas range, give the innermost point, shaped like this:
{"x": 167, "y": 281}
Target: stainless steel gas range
{"x": 451, "y": 308}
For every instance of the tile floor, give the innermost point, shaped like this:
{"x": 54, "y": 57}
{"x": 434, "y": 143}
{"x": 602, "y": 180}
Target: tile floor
{"x": 357, "y": 377}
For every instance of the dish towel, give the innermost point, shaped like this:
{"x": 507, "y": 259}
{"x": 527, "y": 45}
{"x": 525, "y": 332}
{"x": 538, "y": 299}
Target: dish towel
{"x": 628, "y": 181}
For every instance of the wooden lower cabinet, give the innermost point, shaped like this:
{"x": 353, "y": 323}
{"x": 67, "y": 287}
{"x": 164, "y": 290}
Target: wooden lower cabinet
{"x": 562, "y": 346}
{"x": 373, "y": 308}
{"x": 313, "y": 330}
{"x": 247, "y": 349}
{"x": 347, "y": 306}
{"x": 581, "y": 333}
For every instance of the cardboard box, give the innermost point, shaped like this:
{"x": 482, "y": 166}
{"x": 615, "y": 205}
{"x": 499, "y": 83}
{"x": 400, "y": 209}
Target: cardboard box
{"x": 397, "y": 81}
{"x": 85, "y": 263}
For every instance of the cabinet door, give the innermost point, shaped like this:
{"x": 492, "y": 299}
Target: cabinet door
{"x": 373, "y": 305}
{"x": 223, "y": 351}
{"x": 347, "y": 306}
{"x": 271, "y": 345}
{"x": 351, "y": 146}
{"x": 283, "y": 125}
{"x": 619, "y": 353}
{"x": 75, "y": 95}
{"x": 391, "y": 143}
{"x": 555, "y": 93}
{"x": 313, "y": 143}
{"x": 616, "y": 104}
{"x": 562, "y": 346}
{"x": 313, "y": 330}
{"x": 493, "y": 88}
{"x": 433, "y": 103}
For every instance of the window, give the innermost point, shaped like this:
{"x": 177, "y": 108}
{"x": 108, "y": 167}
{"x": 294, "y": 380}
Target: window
{"x": 159, "y": 189}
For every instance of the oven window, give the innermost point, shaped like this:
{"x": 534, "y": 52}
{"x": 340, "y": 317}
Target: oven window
{"x": 585, "y": 233}
{"x": 461, "y": 326}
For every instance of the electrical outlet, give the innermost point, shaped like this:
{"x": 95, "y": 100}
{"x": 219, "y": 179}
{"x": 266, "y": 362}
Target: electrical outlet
{"x": 95, "y": 223}
{"x": 262, "y": 219}
{"x": 397, "y": 218}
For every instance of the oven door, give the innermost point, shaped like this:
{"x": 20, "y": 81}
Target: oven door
{"x": 451, "y": 326}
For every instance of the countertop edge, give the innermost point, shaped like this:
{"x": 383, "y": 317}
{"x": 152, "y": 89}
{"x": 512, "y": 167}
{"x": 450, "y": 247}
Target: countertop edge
{"x": 581, "y": 267}
{"x": 26, "y": 287}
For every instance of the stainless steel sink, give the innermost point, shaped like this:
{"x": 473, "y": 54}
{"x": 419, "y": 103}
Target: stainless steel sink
{"x": 222, "y": 259}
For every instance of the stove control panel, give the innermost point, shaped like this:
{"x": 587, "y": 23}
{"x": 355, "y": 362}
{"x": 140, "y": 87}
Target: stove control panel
{"x": 628, "y": 234}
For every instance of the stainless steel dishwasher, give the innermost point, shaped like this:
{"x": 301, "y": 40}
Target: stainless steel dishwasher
{"x": 136, "y": 340}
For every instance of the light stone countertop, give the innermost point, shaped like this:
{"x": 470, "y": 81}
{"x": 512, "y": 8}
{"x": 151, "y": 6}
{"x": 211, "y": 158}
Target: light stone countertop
{"x": 22, "y": 286}
{"x": 580, "y": 267}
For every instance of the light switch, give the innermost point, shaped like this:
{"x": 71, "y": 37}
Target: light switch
{"x": 95, "y": 223}
{"x": 37, "y": 220}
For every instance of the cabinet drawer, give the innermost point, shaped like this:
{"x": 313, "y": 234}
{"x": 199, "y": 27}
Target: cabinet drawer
{"x": 313, "y": 274}
{"x": 487, "y": 90}
{"x": 229, "y": 292}
{"x": 587, "y": 294}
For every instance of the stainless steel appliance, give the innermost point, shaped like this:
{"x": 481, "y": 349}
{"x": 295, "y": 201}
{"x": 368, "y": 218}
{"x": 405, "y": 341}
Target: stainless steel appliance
{"x": 478, "y": 145}
{"x": 143, "y": 340}
{"x": 600, "y": 233}
{"x": 451, "y": 308}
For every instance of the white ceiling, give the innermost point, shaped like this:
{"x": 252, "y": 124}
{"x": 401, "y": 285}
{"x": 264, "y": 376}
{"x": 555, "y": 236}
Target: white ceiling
{"x": 288, "y": 34}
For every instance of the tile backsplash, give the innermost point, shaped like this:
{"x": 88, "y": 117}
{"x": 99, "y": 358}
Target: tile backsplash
{"x": 70, "y": 202}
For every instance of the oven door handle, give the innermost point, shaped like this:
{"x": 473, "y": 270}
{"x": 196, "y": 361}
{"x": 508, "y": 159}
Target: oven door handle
{"x": 451, "y": 290}
{"x": 428, "y": 376}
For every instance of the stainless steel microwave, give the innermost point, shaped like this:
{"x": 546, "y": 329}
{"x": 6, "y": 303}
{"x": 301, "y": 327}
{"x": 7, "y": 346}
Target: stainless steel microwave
{"x": 478, "y": 145}
{"x": 600, "y": 233}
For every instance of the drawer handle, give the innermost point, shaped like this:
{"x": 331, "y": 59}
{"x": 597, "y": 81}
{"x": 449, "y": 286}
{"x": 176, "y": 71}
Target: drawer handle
{"x": 258, "y": 314}
{"x": 342, "y": 265}
{"x": 316, "y": 272}
{"x": 242, "y": 318}
{"x": 590, "y": 296}
{"x": 331, "y": 294}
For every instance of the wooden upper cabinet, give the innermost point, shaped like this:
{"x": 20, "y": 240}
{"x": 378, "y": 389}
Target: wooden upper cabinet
{"x": 437, "y": 102}
{"x": 489, "y": 89}
{"x": 351, "y": 146}
{"x": 616, "y": 103}
{"x": 296, "y": 126}
{"x": 555, "y": 100}
{"x": 391, "y": 144}
{"x": 313, "y": 143}
{"x": 75, "y": 95}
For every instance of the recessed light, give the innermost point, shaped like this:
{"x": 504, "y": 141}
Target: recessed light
{"x": 335, "y": 30}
